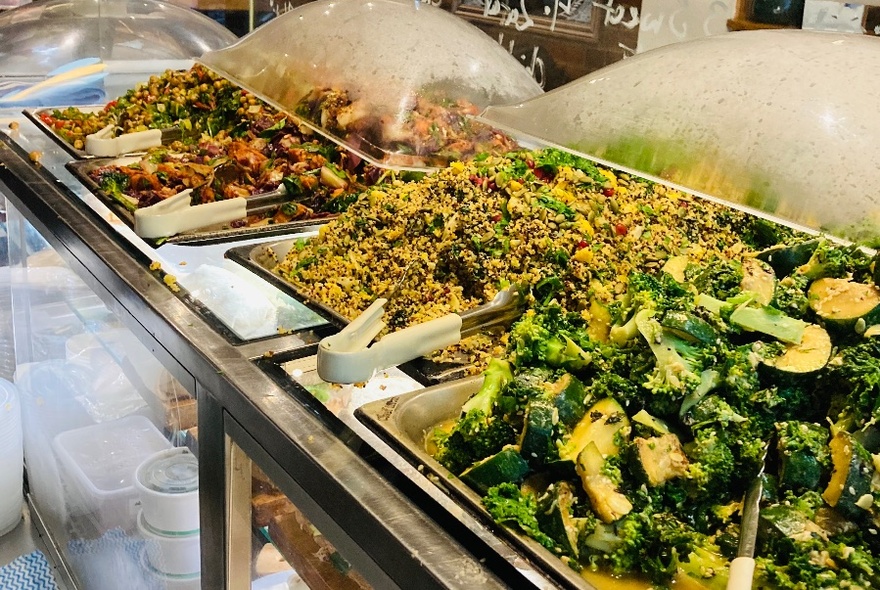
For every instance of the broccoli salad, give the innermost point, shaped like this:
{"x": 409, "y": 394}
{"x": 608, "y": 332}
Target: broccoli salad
{"x": 623, "y": 439}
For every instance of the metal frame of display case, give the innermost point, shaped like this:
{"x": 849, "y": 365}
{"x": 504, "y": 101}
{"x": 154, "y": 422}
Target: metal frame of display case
{"x": 386, "y": 524}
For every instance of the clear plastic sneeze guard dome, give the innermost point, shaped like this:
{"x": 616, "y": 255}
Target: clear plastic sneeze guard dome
{"x": 393, "y": 81}
{"x": 39, "y": 37}
{"x": 781, "y": 121}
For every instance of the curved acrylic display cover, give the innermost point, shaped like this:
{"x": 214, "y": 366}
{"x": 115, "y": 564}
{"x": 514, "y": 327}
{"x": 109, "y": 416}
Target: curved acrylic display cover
{"x": 389, "y": 80}
{"x": 39, "y": 37}
{"x": 780, "y": 121}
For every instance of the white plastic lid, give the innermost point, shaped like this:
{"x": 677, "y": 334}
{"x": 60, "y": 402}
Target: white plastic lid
{"x": 171, "y": 473}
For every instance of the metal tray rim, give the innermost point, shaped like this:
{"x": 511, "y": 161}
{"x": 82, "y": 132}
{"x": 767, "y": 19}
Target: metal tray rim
{"x": 34, "y": 116}
{"x": 80, "y": 169}
{"x": 381, "y": 417}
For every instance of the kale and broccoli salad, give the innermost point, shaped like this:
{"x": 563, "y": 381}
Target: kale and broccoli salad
{"x": 623, "y": 438}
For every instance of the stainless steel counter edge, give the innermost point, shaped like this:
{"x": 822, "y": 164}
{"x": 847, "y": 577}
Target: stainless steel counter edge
{"x": 399, "y": 541}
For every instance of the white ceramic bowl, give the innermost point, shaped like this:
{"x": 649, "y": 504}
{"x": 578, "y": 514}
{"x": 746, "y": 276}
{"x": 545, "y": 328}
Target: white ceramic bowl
{"x": 167, "y": 485}
{"x": 174, "y": 555}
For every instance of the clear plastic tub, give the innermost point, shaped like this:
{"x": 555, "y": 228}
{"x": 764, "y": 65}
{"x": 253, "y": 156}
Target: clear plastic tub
{"x": 100, "y": 462}
{"x": 394, "y": 81}
{"x": 779, "y": 121}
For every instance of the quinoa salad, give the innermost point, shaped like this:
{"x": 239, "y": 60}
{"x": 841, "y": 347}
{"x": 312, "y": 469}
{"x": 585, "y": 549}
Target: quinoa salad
{"x": 567, "y": 228}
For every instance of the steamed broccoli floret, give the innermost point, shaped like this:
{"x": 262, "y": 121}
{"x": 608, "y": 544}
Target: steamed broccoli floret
{"x": 706, "y": 564}
{"x": 812, "y": 560}
{"x": 627, "y": 394}
{"x": 712, "y": 410}
{"x": 791, "y": 296}
{"x": 114, "y": 182}
{"x": 652, "y": 543}
{"x": 777, "y": 404}
{"x": 712, "y": 464}
{"x": 855, "y": 380}
{"x": 721, "y": 279}
{"x": 803, "y": 453}
{"x": 831, "y": 260}
{"x": 481, "y": 431}
{"x": 497, "y": 374}
{"x": 648, "y": 293}
{"x": 677, "y": 368}
{"x": 538, "y": 338}
{"x": 511, "y": 506}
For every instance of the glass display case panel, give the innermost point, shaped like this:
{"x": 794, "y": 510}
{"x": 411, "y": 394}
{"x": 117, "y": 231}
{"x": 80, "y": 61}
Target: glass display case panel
{"x": 38, "y": 38}
{"x": 106, "y": 430}
{"x": 779, "y": 121}
{"x": 395, "y": 81}
{"x": 272, "y": 545}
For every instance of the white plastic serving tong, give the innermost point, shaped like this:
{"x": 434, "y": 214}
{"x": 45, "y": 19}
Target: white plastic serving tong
{"x": 104, "y": 144}
{"x": 346, "y": 357}
{"x": 177, "y": 214}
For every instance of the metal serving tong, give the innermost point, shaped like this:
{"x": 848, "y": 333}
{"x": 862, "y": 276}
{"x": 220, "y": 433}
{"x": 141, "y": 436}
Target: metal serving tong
{"x": 347, "y": 357}
{"x": 103, "y": 143}
{"x": 742, "y": 568}
{"x": 177, "y": 214}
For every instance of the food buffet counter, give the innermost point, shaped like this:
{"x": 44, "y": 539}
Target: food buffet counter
{"x": 394, "y": 530}
{"x": 196, "y": 290}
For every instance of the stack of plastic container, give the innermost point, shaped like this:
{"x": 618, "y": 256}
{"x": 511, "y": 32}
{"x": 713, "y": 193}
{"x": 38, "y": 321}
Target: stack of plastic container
{"x": 99, "y": 462}
{"x": 11, "y": 461}
{"x": 168, "y": 488}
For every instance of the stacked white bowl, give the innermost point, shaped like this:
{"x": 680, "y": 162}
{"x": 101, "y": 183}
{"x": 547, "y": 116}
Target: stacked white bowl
{"x": 11, "y": 458}
{"x": 168, "y": 488}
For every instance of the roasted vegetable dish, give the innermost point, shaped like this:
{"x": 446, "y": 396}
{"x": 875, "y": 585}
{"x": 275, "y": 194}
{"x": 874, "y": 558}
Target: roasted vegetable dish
{"x": 319, "y": 177}
{"x": 623, "y": 439}
{"x": 430, "y": 131}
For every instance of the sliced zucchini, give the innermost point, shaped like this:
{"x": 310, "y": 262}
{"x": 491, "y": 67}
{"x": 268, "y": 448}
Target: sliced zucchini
{"x": 804, "y": 359}
{"x": 758, "y": 278}
{"x": 600, "y": 322}
{"x": 869, "y": 437}
{"x": 568, "y": 393}
{"x": 536, "y": 442}
{"x": 770, "y": 321}
{"x": 660, "y": 459}
{"x": 785, "y": 258}
{"x": 689, "y": 327}
{"x": 842, "y": 304}
{"x": 604, "y": 424}
{"x": 849, "y": 490}
{"x": 872, "y": 331}
{"x": 607, "y": 501}
{"x": 507, "y": 465}
{"x": 556, "y": 518}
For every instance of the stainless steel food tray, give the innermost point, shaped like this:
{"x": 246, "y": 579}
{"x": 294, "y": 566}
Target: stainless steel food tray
{"x": 262, "y": 259}
{"x": 403, "y": 422}
{"x": 214, "y": 233}
{"x": 34, "y": 116}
